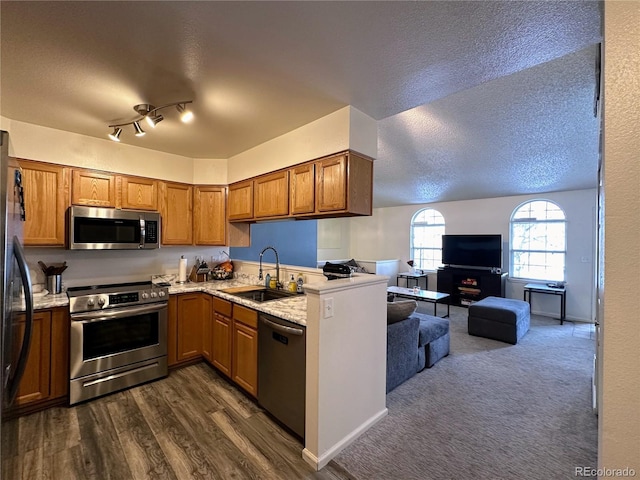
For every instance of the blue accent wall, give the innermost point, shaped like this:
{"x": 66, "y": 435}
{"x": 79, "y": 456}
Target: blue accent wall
{"x": 296, "y": 242}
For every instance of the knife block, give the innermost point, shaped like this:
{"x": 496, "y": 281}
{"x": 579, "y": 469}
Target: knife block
{"x": 194, "y": 276}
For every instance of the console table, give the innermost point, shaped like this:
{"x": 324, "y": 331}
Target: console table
{"x": 542, "y": 288}
{"x": 415, "y": 277}
{"x": 422, "y": 295}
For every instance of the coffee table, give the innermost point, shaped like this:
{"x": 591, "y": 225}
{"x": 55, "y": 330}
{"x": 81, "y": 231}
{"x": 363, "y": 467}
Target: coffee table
{"x": 423, "y": 296}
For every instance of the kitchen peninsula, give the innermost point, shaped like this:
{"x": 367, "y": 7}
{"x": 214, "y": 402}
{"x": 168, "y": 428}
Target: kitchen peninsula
{"x": 345, "y": 370}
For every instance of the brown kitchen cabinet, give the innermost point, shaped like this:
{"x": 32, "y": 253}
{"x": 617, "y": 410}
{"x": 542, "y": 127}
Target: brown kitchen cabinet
{"x": 176, "y": 208}
{"x": 46, "y": 196}
{"x": 221, "y": 335}
{"x": 93, "y": 188}
{"x": 207, "y": 327}
{"x": 46, "y": 376}
{"x": 244, "y": 363}
{"x": 240, "y": 206}
{"x": 302, "y": 189}
{"x": 137, "y": 193}
{"x": 271, "y": 195}
{"x": 209, "y": 215}
{"x": 344, "y": 185}
{"x": 189, "y": 327}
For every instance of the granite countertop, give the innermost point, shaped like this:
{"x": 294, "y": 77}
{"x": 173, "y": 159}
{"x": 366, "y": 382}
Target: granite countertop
{"x": 293, "y": 309}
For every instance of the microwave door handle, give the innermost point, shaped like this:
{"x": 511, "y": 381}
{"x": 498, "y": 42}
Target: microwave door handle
{"x": 142, "y": 231}
{"x": 14, "y": 379}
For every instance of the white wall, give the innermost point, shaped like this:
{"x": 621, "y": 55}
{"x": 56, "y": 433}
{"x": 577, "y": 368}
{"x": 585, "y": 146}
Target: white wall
{"x": 619, "y": 413}
{"x": 343, "y": 129}
{"x": 386, "y": 235}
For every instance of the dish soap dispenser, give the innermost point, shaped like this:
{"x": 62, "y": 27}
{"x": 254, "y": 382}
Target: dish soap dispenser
{"x": 299, "y": 284}
{"x": 293, "y": 286}
{"x": 267, "y": 280}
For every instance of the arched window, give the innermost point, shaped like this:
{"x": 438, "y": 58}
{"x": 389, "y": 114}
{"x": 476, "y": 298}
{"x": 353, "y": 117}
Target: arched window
{"x": 427, "y": 228}
{"x": 538, "y": 241}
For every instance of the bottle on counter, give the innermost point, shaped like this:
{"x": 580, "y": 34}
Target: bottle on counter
{"x": 293, "y": 285}
{"x": 273, "y": 283}
{"x": 300, "y": 283}
{"x": 267, "y": 280}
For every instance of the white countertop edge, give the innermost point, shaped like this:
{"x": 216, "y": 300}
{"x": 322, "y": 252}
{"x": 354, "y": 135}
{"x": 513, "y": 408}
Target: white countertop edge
{"x": 358, "y": 280}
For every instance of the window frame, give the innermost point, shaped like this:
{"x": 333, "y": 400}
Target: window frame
{"x": 413, "y": 248}
{"x": 512, "y": 251}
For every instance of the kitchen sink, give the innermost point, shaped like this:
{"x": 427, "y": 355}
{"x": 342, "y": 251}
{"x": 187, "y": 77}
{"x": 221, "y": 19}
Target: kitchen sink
{"x": 262, "y": 295}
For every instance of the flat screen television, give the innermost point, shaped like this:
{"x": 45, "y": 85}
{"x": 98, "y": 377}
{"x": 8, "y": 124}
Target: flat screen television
{"x": 472, "y": 250}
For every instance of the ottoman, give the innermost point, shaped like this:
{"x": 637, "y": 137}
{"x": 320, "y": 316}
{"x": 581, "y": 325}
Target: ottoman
{"x": 503, "y": 319}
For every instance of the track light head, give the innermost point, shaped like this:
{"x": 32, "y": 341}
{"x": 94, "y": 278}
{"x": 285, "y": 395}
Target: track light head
{"x": 115, "y": 135}
{"x": 138, "y": 129}
{"x": 153, "y": 120}
{"x": 186, "y": 115}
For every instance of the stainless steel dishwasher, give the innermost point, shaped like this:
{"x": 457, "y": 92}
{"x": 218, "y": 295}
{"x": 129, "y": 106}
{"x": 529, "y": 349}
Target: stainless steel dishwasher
{"x": 281, "y": 370}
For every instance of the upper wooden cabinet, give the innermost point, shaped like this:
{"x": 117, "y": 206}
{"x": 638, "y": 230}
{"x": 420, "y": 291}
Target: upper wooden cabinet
{"x": 46, "y": 196}
{"x": 271, "y": 195}
{"x": 209, "y": 209}
{"x": 241, "y": 201}
{"x": 94, "y": 189}
{"x": 339, "y": 185}
{"x": 344, "y": 185}
{"x": 302, "y": 189}
{"x": 176, "y": 208}
{"x": 137, "y": 193}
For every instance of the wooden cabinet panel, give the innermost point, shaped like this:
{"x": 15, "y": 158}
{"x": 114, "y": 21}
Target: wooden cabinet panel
{"x": 207, "y": 327}
{"x": 95, "y": 189}
{"x": 59, "y": 352}
{"x": 240, "y": 205}
{"x": 176, "y": 200}
{"x": 209, "y": 215}
{"x": 221, "y": 349}
{"x": 271, "y": 195}
{"x": 138, "y": 193}
{"x": 189, "y": 326}
{"x": 245, "y": 315}
{"x": 245, "y": 357}
{"x": 302, "y": 189}
{"x": 331, "y": 181}
{"x": 46, "y": 195}
{"x": 172, "y": 331}
{"x": 34, "y": 385}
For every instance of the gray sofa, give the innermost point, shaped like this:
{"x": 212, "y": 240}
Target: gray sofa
{"x": 414, "y": 343}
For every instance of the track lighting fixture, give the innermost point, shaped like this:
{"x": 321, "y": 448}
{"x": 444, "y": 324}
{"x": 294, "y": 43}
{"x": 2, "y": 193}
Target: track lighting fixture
{"x": 150, "y": 114}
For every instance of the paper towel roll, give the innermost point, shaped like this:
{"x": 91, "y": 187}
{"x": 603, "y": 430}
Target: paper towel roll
{"x": 182, "y": 271}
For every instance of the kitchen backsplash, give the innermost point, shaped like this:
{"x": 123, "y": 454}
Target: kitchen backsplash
{"x": 91, "y": 267}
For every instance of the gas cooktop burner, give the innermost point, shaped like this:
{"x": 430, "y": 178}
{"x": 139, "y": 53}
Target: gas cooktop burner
{"x": 100, "y": 297}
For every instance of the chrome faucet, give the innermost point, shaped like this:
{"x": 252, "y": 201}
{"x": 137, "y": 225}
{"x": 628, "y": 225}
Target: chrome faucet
{"x": 278, "y": 284}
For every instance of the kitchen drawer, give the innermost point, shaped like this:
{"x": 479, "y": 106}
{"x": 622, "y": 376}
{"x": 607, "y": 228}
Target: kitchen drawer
{"x": 223, "y": 307}
{"x": 245, "y": 315}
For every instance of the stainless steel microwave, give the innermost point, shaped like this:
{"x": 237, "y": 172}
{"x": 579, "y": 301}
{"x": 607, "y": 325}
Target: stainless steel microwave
{"x": 94, "y": 228}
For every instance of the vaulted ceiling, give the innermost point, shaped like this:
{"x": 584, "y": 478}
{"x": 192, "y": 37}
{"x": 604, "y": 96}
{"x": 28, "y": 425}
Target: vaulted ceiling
{"x": 473, "y": 99}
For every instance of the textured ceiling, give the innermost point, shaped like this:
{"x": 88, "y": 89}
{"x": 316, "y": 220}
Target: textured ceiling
{"x": 473, "y": 99}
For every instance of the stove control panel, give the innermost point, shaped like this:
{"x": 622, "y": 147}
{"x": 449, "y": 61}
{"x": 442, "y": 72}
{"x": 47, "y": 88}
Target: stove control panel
{"x": 91, "y": 301}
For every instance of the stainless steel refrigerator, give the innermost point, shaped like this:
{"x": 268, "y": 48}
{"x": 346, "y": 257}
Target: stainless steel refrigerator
{"x": 16, "y": 300}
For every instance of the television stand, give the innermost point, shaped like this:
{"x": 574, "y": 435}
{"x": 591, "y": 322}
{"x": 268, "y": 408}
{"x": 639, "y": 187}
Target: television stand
{"x": 468, "y": 285}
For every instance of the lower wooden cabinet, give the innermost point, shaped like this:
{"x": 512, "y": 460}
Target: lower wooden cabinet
{"x": 225, "y": 334}
{"x": 46, "y": 374}
{"x": 244, "y": 365}
{"x": 189, "y": 331}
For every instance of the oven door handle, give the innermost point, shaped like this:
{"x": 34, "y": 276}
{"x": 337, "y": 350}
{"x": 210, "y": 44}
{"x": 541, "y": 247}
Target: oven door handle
{"x": 117, "y": 313}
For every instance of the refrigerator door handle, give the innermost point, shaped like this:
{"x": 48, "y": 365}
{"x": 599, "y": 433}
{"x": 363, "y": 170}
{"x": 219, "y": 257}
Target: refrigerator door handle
{"x": 14, "y": 379}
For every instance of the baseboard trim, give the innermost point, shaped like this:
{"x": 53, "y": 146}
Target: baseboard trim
{"x": 320, "y": 462}
{"x": 556, "y": 316}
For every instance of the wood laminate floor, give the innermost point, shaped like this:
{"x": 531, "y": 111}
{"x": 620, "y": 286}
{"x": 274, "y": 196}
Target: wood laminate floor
{"x": 191, "y": 425}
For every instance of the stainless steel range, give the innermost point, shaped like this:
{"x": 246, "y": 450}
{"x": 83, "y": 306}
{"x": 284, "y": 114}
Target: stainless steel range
{"x": 118, "y": 337}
